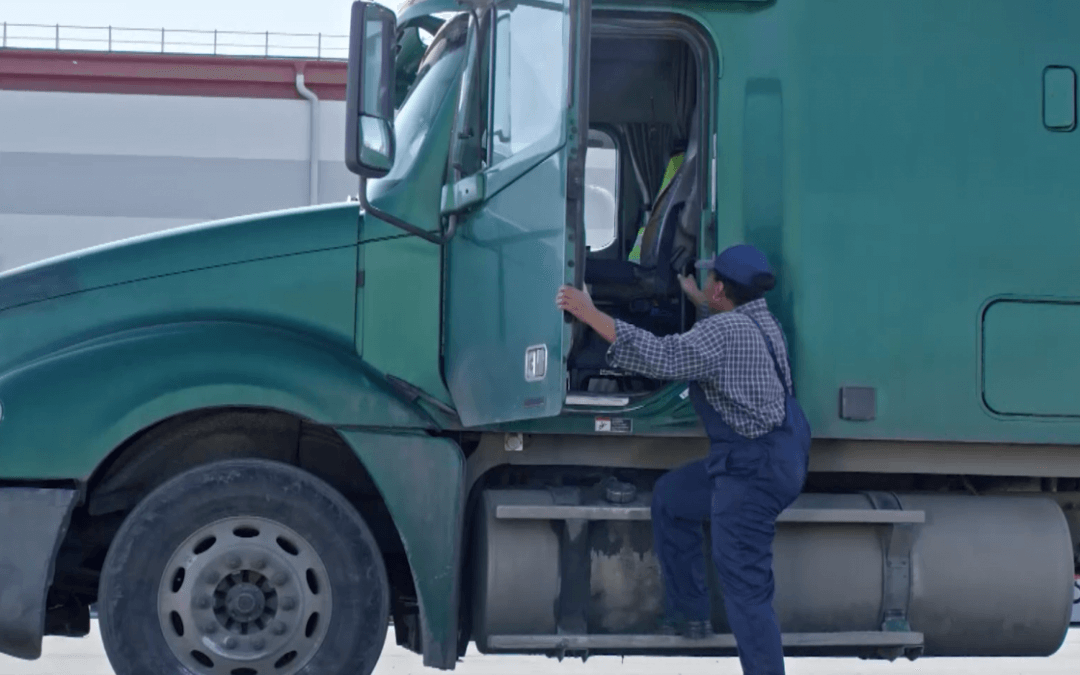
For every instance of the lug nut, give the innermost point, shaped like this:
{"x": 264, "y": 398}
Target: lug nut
{"x": 258, "y": 643}
{"x": 203, "y": 602}
{"x": 233, "y": 561}
{"x": 212, "y": 577}
{"x": 288, "y": 603}
{"x": 210, "y": 628}
{"x": 278, "y": 628}
{"x": 230, "y": 642}
{"x": 259, "y": 563}
{"x": 280, "y": 578}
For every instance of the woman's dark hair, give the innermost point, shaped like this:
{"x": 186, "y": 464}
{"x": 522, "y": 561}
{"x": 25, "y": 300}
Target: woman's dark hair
{"x": 740, "y": 294}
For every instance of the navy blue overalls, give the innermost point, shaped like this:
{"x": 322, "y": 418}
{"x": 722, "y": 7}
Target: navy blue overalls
{"x": 742, "y": 486}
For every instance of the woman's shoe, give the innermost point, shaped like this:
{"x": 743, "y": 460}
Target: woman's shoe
{"x": 691, "y": 630}
{"x": 697, "y": 630}
{"x": 668, "y": 626}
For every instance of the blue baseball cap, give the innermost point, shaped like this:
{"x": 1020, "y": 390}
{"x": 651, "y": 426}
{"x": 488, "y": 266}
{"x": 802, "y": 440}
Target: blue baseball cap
{"x": 744, "y": 264}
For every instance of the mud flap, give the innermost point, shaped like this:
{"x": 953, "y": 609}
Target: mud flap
{"x": 33, "y": 522}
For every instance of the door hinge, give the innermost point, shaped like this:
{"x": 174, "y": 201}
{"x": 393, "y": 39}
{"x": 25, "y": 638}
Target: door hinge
{"x": 360, "y": 279}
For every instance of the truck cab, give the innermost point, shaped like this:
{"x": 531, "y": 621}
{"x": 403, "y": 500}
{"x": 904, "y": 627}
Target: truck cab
{"x": 257, "y": 443}
{"x": 584, "y": 141}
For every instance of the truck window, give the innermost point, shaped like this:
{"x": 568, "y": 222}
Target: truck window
{"x": 601, "y": 191}
{"x": 530, "y": 73}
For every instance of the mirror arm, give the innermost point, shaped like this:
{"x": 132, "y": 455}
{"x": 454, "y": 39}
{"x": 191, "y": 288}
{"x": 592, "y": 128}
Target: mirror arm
{"x": 465, "y": 94}
{"x": 438, "y": 239}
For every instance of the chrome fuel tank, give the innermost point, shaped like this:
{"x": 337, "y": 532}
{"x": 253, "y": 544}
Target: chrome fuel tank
{"x": 971, "y": 576}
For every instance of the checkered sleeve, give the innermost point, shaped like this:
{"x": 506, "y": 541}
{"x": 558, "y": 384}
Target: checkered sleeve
{"x": 693, "y": 355}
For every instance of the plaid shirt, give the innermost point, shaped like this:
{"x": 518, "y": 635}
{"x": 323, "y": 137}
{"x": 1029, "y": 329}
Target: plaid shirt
{"x": 727, "y": 356}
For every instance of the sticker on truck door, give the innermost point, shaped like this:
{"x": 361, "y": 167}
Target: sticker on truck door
{"x": 614, "y": 425}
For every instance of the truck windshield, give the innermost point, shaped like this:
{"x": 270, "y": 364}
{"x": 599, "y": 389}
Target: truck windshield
{"x": 438, "y": 71}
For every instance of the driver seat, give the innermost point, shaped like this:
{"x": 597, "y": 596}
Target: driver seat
{"x": 637, "y": 293}
{"x": 667, "y": 245}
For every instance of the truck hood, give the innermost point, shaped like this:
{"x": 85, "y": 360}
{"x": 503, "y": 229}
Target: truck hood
{"x": 212, "y": 244}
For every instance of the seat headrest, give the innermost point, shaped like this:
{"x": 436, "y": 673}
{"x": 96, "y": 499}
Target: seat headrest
{"x": 686, "y": 176}
{"x": 682, "y": 189}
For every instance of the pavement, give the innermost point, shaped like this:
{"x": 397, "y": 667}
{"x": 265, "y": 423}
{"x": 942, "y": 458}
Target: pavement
{"x": 86, "y": 656}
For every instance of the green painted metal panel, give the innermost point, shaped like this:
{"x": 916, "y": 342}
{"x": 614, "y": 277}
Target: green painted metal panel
{"x": 158, "y": 372}
{"x": 505, "y": 267}
{"x": 1059, "y": 98}
{"x": 917, "y": 182}
{"x": 183, "y": 249}
{"x": 1030, "y": 363}
{"x": 360, "y": 284}
{"x": 310, "y": 293}
{"x": 667, "y": 413}
{"x": 890, "y": 157}
{"x": 402, "y": 302}
{"x": 96, "y": 367}
{"x": 511, "y": 255}
{"x": 422, "y": 128}
{"x": 402, "y": 293}
{"x": 422, "y": 480}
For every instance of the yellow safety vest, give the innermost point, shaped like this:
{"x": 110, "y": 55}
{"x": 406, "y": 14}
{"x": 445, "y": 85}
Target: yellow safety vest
{"x": 669, "y": 173}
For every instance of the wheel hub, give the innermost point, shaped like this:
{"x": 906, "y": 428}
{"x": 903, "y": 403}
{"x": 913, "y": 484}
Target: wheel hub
{"x": 245, "y": 594}
{"x": 245, "y": 602}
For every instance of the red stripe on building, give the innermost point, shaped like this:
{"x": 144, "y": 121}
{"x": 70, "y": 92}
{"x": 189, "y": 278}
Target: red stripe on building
{"x": 167, "y": 74}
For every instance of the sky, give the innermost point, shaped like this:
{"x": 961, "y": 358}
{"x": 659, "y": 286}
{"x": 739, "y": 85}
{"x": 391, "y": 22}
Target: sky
{"x": 282, "y": 16}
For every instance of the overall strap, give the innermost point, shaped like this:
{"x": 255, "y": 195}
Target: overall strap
{"x": 775, "y": 360}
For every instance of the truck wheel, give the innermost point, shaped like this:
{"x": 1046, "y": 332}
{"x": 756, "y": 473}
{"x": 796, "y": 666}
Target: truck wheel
{"x": 244, "y": 567}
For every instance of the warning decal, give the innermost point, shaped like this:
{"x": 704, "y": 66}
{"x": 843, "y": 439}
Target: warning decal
{"x": 614, "y": 425}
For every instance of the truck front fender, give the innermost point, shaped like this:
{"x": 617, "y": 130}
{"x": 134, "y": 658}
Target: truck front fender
{"x": 34, "y": 523}
{"x": 422, "y": 481}
{"x": 64, "y": 412}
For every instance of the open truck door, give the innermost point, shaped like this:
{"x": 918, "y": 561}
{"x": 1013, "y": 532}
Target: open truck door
{"x": 519, "y": 229}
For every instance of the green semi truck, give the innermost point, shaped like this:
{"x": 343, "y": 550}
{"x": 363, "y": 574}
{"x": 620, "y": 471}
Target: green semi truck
{"x": 256, "y": 444}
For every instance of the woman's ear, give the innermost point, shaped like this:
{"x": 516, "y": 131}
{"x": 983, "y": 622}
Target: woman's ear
{"x": 717, "y": 291}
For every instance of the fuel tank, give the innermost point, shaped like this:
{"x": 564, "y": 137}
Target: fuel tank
{"x": 975, "y": 575}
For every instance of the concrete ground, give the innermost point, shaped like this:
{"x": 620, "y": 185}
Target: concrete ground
{"x": 86, "y": 656}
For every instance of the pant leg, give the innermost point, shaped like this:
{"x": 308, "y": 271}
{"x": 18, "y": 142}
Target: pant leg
{"x": 680, "y": 506}
{"x": 743, "y": 529}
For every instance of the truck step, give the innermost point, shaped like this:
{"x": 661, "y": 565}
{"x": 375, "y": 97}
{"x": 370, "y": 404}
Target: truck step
{"x": 570, "y": 642}
{"x": 598, "y": 400}
{"x": 643, "y": 512}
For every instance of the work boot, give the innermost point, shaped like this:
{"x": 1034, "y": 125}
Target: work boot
{"x": 697, "y": 630}
{"x": 668, "y": 626}
{"x": 691, "y": 630}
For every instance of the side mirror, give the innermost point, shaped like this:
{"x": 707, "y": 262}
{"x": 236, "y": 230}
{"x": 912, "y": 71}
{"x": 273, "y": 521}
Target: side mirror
{"x": 369, "y": 92}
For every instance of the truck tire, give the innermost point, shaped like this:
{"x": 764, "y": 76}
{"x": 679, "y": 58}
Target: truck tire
{"x": 244, "y": 567}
